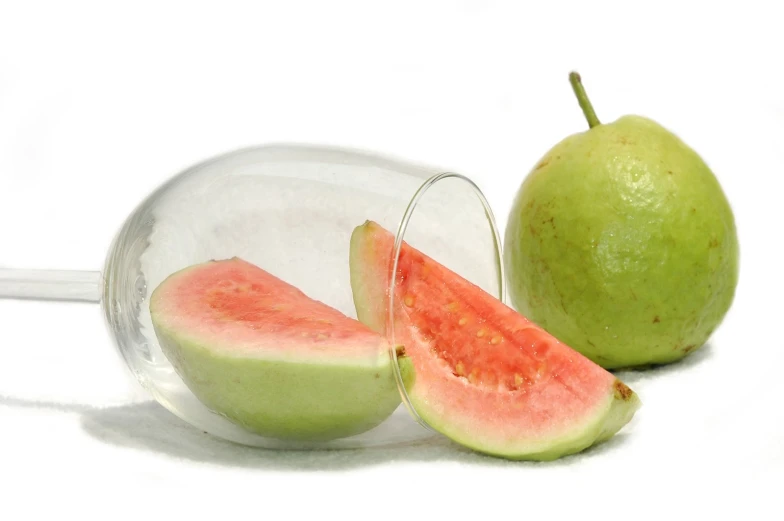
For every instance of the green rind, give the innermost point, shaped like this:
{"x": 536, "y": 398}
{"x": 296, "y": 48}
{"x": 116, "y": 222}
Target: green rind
{"x": 622, "y": 244}
{"x": 284, "y": 400}
{"x": 611, "y": 417}
{"x": 370, "y": 300}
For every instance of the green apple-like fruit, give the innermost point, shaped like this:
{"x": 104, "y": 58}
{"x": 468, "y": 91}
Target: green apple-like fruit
{"x": 622, "y": 244}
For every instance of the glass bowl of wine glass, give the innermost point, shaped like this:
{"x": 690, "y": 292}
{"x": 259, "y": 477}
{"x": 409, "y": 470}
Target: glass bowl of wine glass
{"x": 286, "y": 212}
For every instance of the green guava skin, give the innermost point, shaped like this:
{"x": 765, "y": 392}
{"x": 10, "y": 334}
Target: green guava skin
{"x": 293, "y": 401}
{"x": 622, "y": 244}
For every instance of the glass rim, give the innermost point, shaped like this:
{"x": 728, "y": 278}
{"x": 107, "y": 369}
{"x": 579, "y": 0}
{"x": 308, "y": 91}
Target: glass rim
{"x": 399, "y": 239}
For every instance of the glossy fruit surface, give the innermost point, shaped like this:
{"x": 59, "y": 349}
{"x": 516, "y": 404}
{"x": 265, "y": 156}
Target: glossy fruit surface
{"x": 622, "y": 244}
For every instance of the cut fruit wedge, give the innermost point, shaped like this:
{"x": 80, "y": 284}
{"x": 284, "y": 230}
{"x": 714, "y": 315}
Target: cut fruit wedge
{"x": 483, "y": 374}
{"x": 261, "y": 353}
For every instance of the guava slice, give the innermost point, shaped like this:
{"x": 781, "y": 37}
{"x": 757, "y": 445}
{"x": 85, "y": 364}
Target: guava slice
{"x": 260, "y": 352}
{"x": 484, "y": 375}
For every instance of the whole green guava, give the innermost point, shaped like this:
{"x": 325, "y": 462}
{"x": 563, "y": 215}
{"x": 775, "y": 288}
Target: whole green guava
{"x": 622, "y": 244}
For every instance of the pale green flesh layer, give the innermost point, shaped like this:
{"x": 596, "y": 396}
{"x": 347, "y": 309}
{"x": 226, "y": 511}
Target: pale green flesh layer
{"x": 285, "y": 400}
{"x": 586, "y": 432}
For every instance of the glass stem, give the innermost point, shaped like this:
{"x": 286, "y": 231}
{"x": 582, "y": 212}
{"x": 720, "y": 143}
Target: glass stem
{"x": 76, "y": 286}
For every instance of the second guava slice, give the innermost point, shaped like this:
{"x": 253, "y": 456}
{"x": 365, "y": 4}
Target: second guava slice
{"x": 264, "y": 355}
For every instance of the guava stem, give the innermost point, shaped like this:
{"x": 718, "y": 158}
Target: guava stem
{"x": 582, "y": 99}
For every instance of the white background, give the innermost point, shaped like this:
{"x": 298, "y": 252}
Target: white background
{"x": 101, "y": 102}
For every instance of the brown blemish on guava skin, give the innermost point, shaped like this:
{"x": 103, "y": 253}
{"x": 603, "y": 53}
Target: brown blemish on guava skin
{"x": 400, "y": 351}
{"x": 669, "y": 172}
{"x": 533, "y": 230}
{"x": 689, "y": 348}
{"x": 713, "y": 243}
{"x": 377, "y": 376}
{"x": 622, "y": 391}
{"x": 656, "y": 319}
{"x": 543, "y": 163}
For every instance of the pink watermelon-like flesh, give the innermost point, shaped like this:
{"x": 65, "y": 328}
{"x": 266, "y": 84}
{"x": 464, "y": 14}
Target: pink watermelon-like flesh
{"x": 260, "y": 352}
{"x": 484, "y": 375}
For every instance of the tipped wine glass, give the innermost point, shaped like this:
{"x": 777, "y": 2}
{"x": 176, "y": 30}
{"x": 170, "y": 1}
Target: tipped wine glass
{"x": 289, "y": 209}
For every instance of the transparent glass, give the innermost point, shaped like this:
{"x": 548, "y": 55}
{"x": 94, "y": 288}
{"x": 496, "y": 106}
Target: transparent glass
{"x": 291, "y": 210}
